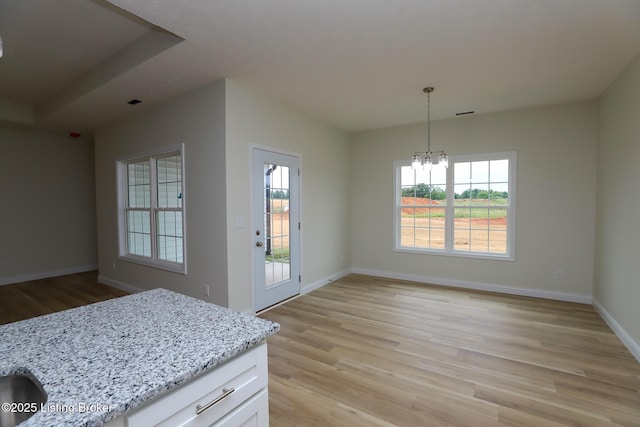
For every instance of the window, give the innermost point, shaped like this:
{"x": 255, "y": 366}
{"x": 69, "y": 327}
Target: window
{"x": 151, "y": 225}
{"x": 467, "y": 209}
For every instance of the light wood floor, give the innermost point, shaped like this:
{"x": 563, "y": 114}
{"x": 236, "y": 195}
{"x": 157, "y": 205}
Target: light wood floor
{"x": 365, "y": 351}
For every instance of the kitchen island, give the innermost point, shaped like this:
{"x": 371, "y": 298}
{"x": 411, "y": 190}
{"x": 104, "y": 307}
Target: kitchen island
{"x": 99, "y": 362}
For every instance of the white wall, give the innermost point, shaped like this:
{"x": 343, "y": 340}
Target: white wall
{"x": 196, "y": 119}
{"x": 556, "y": 163}
{"x": 254, "y": 119}
{"x": 47, "y": 220}
{"x": 617, "y": 266}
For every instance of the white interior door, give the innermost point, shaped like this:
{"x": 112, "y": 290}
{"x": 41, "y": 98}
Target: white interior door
{"x": 276, "y": 227}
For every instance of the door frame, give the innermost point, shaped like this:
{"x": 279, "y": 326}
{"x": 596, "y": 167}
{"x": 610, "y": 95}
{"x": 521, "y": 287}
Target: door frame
{"x": 252, "y": 223}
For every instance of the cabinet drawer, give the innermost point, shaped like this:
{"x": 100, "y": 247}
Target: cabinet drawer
{"x": 230, "y": 384}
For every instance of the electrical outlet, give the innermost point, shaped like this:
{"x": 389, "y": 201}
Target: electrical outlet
{"x": 559, "y": 274}
{"x": 206, "y": 290}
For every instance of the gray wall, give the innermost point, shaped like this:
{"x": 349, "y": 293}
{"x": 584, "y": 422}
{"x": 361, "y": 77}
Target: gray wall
{"x": 617, "y": 264}
{"x": 555, "y": 219}
{"x": 218, "y": 125}
{"x": 47, "y": 216}
{"x": 325, "y": 202}
{"x": 197, "y": 120}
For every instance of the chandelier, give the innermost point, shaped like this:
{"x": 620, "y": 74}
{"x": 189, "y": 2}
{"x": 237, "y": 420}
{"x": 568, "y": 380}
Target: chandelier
{"x": 425, "y": 158}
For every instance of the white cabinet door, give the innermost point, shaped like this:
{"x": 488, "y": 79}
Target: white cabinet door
{"x": 253, "y": 413}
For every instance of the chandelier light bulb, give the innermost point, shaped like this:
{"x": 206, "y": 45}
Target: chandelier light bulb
{"x": 416, "y": 161}
{"x": 428, "y": 164}
{"x": 443, "y": 160}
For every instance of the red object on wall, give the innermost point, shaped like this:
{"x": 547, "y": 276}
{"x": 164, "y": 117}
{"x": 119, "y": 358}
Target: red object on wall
{"x": 74, "y": 134}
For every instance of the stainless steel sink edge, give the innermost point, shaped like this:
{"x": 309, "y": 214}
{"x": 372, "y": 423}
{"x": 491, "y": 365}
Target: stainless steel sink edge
{"x": 21, "y": 396}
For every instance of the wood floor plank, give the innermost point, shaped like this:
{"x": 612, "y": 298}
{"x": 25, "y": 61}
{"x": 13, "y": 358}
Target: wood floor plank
{"x": 365, "y": 351}
{"x": 24, "y": 300}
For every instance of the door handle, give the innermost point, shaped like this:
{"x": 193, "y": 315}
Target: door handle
{"x": 258, "y": 244}
{"x": 225, "y": 392}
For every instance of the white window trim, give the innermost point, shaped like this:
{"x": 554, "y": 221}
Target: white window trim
{"x": 449, "y": 250}
{"x": 121, "y": 179}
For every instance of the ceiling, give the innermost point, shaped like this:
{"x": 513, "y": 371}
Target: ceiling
{"x": 72, "y": 65}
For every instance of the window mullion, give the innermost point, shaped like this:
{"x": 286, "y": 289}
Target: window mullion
{"x": 153, "y": 182}
{"x": 449, "y": 212}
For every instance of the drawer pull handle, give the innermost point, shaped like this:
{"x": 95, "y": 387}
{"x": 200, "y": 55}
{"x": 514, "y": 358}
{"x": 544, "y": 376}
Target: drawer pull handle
{"x": 225, "y": 392}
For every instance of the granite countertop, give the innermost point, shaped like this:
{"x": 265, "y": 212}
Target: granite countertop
{"x": 98, "y": 361}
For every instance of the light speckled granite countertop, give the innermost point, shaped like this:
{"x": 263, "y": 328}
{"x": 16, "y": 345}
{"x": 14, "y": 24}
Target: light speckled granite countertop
{"x": 118, "y": 354}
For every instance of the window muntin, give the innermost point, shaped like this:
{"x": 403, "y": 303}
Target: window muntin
{"x": 465, "y": 210}
{"x": 152, "y": 217}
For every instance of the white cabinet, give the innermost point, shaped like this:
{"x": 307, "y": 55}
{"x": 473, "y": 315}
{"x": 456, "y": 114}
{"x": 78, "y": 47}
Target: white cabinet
{"x": 233, "y": 394}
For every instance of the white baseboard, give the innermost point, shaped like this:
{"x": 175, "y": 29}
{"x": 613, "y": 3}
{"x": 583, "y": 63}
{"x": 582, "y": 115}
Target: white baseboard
{"x": 324, "y": 281}
{"x": 626, "y": 339}
{"x": 47, "y": 274}
{"x": 305, "y": 289}
{"x": 120, "y": 285}
{"x": 537, "y": 293}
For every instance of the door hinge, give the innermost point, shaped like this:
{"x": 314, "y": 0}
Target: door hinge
{"x": 298, "y": 171}
{"x": 298, "y": 226}
{"x": 299, "y": 278}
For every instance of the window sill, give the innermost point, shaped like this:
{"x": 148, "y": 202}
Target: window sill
{"x": 161, "y": 265}
{"x": 457, "y": 254}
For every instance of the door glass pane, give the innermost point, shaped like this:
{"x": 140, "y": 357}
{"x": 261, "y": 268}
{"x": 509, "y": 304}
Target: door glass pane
{"x": 276, "y": 224}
